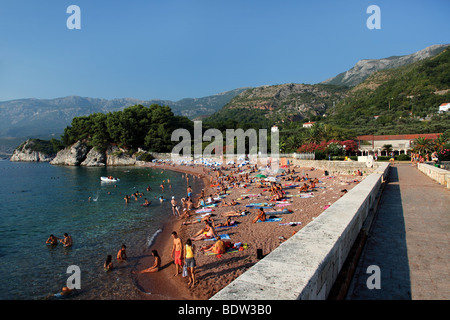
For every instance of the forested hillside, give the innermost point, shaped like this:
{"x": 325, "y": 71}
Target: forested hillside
{"x": 400, "y": 100}
{"x": 134, "y": 127}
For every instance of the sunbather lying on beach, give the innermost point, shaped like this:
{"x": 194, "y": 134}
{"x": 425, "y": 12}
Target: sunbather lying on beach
{"x": 237, "y": 213}
{"x": 227, "y": 223}
{"x": 232, "y": 203}
{"x": 206, "y": 217}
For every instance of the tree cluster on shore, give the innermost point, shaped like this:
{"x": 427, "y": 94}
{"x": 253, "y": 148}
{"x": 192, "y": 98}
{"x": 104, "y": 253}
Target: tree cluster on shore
{"x": 134, "y": 127}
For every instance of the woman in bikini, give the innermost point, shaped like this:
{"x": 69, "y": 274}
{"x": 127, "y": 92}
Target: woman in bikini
{"x": 205, "y": 233}
{"x": 155, "y": 267}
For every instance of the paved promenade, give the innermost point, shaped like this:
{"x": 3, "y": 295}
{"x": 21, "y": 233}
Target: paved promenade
{"x": 409, "y": 241}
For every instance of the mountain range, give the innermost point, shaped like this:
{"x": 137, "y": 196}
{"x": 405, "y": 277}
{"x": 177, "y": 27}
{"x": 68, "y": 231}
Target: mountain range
{"x": 43, "y": 118}
{"x": 364, "y": 68}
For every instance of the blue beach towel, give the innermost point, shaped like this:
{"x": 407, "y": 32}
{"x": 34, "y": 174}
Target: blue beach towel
{"x": 284, "y": 211}
{"x": 233, "y": 225}
{"x": 222, "y": 237}
{"x": 271, "y": 220}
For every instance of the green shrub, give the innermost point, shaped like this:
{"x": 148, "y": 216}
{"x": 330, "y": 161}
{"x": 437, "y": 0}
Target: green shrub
{"x": 147, "y": 157}
{"x": 403, "y": 157}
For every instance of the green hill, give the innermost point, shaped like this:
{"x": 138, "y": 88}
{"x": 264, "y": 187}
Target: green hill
{"x": 400, "y": 100}
{"x": 265, "y": 106}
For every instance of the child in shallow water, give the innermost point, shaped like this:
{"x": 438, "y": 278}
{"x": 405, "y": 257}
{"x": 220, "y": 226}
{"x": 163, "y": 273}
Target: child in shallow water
{"x": 108, "y": 265}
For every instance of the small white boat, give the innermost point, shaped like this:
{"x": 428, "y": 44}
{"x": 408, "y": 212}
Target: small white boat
{"x": 108, "y": 179}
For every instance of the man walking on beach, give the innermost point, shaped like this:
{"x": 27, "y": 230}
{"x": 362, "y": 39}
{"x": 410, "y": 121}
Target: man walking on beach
{"x": 177, "y": 250}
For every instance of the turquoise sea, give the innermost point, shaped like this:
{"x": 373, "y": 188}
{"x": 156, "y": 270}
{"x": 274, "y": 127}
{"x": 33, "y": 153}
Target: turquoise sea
{"x": 38, "y": 199}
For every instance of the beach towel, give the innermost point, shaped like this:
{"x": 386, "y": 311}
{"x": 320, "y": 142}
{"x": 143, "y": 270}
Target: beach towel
{"x": 290, "y": 223}
{"x": 284, "y": 211}
{"x": 261, "y": 204}
{"x": 204, "y": 210}
{"x": 271, "y": 220}
{"x": 222, "y": 237}
{"x": 230, "y": 250}
{"x": 283, "y": 204}
{"x": 290, "y": 186}
{"x": 221, "y": 227}
{"x": 303, "y": 196}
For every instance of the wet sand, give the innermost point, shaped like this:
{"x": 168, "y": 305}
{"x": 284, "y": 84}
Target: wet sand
{"x": 214, "y": 272}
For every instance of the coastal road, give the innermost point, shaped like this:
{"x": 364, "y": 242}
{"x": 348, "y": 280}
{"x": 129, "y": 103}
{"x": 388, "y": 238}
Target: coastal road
{"x": 408, "y": 243}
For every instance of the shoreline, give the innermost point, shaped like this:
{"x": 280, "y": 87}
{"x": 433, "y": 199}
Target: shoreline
{"x": 162, "y": 285}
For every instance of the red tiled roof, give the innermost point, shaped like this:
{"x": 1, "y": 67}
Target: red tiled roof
{"x": 370, "y": 137}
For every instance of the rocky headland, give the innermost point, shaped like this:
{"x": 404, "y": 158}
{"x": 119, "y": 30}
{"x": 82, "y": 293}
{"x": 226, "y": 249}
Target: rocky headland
{"x": 78, "y": 154}
{"x": 32, "y": 151}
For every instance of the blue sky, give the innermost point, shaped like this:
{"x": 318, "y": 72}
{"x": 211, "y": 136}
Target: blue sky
{"x": 169, "y": 49}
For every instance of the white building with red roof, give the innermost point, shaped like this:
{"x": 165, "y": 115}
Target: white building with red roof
{"x": 401, "y": 143}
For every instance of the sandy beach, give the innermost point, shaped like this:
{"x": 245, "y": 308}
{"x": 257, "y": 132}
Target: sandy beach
{"x": 214, "y": 272}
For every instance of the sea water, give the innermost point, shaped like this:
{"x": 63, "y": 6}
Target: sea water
{"x": 38, "y": 199}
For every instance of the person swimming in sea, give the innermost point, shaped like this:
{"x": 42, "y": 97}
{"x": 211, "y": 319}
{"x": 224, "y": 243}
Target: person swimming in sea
{"x": 67, "y": 241}
{"x": 52, "y": 240}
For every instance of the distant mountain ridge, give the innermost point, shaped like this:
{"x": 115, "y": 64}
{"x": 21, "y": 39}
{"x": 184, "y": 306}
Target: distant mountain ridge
{"x": 40, "y": 117}
{"x": 364, "y": 68}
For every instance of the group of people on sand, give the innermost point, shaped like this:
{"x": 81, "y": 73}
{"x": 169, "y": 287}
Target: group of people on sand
{"x": 308, "y": 187}
{"x": 182, "y": 255}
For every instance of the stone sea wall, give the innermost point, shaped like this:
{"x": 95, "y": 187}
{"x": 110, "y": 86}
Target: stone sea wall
{"x": 306, "y": 266}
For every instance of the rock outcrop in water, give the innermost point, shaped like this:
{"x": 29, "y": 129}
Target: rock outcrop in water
{"x": 80, "y": 154}
{"x": 29, "y": 151}
{"x": 94, "y": 158}
{"x": 72, "y": 156}
{"x": 117, "y": 157}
